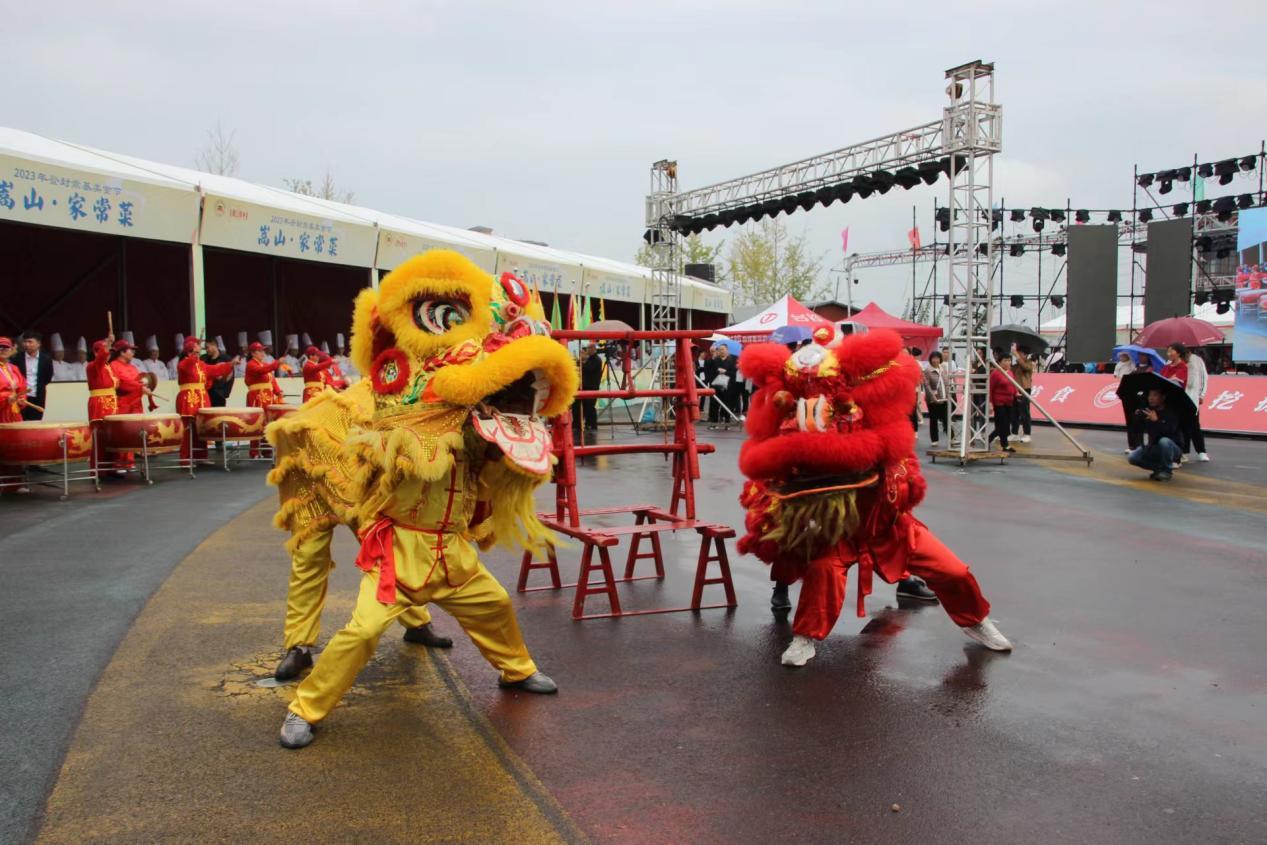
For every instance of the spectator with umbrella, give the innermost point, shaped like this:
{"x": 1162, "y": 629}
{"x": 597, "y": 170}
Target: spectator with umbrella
{"x": 1002, "y": 397}
{"x": 1162, "y": 413}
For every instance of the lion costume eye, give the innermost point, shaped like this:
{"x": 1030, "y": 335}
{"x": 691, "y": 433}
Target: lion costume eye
{"x": 440, "y": 315}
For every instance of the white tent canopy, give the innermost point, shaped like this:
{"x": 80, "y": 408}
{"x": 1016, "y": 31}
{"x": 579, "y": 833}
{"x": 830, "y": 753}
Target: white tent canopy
{"x": 57, "y": 183}
{"x": 1128, "y": 316}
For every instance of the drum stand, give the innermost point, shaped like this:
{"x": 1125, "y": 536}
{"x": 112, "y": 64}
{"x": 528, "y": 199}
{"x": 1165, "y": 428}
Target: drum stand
{"x": 64, "y": 477}
{"x": 266, "y": 451}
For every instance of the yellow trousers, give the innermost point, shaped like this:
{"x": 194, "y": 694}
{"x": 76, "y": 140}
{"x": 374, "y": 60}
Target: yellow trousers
{"x": 310, "y": 567}
{"x": 480, "y": 604}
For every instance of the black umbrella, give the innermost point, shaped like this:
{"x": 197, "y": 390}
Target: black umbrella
{"x": 1002, "y": 337}
{"x": 1134, "y": 387}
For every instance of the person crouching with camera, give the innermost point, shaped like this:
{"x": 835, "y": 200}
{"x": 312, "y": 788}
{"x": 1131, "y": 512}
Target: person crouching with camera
{"x": 1162, "y": 429}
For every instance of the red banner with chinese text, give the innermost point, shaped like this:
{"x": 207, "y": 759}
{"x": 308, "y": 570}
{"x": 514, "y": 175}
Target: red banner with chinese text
{"x": 1232, "y": 403}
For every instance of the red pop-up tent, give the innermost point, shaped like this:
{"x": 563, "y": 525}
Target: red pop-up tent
{"x": 786, "y": 312}
{"x": 913, "y": 334}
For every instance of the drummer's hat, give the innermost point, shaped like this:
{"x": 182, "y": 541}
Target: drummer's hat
{"x": 266, "y": 337}
{"x": 82, "y": 345}
{"x": 305, "y": 339}
{"x": 312, "y": 351}
{"x": 151, "y": 343}
{"x": 191, "y": 344}
{"x": 130, "y": 338}
{"x": 55, "y": 342}
{"x": 255, "y": 347}
{"x": 338, "y": 341}
{"x": 123, "y": 343}
{"x": 243, "y": 339}
{"x": 180, "y": 340}
{"x": 220, "y": 342}
{"x": 292, "y": 341}
{"x": 325, "y": 347}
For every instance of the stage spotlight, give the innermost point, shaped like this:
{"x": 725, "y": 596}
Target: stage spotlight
{"x": 996, "y": 218}
{"x": 1165, "y": 187}
{"x": 1245, "y": 201}
{"x": 1247, "y": 163}
{"x": 945, "y": 300}
{"x": 983, "y": 249}
{"x": 844, "y": 192}
{"x": 1058, "y": 214}
{"x": 651, "y": 236}
{"x": 1058, "y": 249}
{"x": 807, "y": 200}
{"x": 1145, "y": 214}
{"x": 1139, "y": 247}
{"x": 1037, "y": 213}
{"x": 1204, "y": 206}
{"x": 1223, "y": 253}
{"x": 826, "y": 196}
{"x": 930, "y": 172}
{"x": 943, "y": 219}
{"x": 1018, "y": 301}
{"x": 1180, "y": 209}
{"x": 1082, "y": 216}
{"x": 1017, "y": 215}
{"x": 1183, "y": 174}
{"x": 1115, "y": 217}
{"x": 1058, "y": 301}
{"x": 682, "y": 222}
{"x": 710, "y": 221}
{"x": 1225, "y": 170}
{"x": 1016, "y": 250}
{"x": 863, "y": 186}
{"x": 1201, "y": 298}
{"x": 883, "y": 180}
{"x": 1144, "y": 180}
{"x": 1205, "y": 243}
{"x": 907, "y": 177}
{"x": 1223, "y": 208}
{"x": 1223, "y": 307}
{"x": 743, "y": 215}
{"x": 787, "y": 205}
{"x": 1205, "y": 171}
{"x": 1038, "y": 224}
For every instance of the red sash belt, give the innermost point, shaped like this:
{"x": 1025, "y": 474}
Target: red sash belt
{"x": 378, "y": 550}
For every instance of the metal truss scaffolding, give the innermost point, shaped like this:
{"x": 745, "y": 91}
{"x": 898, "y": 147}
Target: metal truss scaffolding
{"x": 961, "y": 145}
{"x": 973, "y": 129}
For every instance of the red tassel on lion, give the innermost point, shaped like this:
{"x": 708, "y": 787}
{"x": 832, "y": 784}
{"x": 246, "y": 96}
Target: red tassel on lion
{"x": 833, "y": 479}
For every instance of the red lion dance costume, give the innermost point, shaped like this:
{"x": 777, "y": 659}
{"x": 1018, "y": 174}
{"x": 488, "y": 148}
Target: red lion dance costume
{"x": 833, "y": 479}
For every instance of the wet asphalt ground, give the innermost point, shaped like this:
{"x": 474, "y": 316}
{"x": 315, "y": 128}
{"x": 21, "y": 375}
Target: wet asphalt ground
{"x": 1131, "y": 711}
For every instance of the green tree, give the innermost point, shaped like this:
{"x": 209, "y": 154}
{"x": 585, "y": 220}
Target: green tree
{"x": 694, "y": 251}
{"x": 765, "y": 264}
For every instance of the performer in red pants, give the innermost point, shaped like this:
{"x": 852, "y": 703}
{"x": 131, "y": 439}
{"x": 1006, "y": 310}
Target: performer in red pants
{"x": 833, "y": 479}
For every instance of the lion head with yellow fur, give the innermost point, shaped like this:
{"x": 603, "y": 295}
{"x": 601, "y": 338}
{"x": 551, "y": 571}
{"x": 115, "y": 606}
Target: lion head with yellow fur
{"x": 454, "y": 359}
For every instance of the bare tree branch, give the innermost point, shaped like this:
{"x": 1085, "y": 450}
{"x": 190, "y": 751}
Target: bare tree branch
{"x": 220, "y": 155}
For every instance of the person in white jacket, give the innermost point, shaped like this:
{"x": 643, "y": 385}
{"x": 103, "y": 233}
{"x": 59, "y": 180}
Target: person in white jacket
{"x": 1198, "y": 381}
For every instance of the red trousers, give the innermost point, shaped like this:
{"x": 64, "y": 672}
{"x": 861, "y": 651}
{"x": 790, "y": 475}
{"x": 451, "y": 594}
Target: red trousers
{"x": 823, "y": 586}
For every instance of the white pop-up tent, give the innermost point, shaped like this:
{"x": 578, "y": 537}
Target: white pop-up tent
{"x": 786, "y": 312}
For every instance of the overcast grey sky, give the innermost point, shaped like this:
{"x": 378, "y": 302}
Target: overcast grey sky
{"x": 541, "y": 119}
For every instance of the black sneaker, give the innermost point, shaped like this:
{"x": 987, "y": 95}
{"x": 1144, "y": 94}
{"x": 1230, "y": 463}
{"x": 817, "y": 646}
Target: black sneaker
{"x": 424, "y": 635}
{"x": 295, "y": 661}
{"x": 915, "y": 588}
{"x": 779, "y": 600}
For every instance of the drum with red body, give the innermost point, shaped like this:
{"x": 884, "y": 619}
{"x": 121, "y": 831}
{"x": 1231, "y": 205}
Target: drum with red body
{"x": 275, "y": 412}
{"x": 40, "y": 443}
{"x": 156, "y": 433}
{"x": 231, "y": 423}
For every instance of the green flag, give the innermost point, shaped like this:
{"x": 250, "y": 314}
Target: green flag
{"x": 583, "y": 319}
{"x": 1198, "y": 188}
{"x": 556, "y": 319}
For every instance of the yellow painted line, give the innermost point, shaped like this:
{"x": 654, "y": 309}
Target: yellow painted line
{"x": 1187, "y": 484}
{"x": 178, "y": 744}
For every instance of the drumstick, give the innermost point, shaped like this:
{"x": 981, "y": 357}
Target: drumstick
{"x": 36, "y": 407}
{"x": 110, "y": 323}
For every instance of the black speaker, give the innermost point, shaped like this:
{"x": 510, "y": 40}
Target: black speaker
{"x": 1168, "y": 277}
{"x": 707, "y": 272}
{"x": 1091, "y": 318}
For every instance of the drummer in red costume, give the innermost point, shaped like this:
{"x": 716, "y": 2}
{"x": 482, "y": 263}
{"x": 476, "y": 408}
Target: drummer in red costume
{"x": 316, "y": 372}
{"x": 12, "y": 400}
{"x": 194, "y": 374}
{"x": 103, "y": 401}
{"x": 262, "y": 389}
{"x": 128, "y": 389}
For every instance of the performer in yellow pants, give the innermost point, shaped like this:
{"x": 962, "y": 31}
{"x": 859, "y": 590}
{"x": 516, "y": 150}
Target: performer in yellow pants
{"x": 310, "y": 566}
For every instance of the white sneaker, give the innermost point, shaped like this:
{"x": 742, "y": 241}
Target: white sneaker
{"x": 1025, "y": 438}
{"x": 1127, "y": 451}
{"x": 988, "y": 634}
{"x": 296, "y": 733}
{"x": 1203, "y": 457}
{"x": 799, "y": 652}
{"x": 1175, "y": 465}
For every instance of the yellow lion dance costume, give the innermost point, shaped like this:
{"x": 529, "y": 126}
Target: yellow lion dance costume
{"x": 437, "y": 451}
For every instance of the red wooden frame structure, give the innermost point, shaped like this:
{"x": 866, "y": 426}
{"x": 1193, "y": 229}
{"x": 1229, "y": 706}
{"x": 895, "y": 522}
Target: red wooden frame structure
{"x": 649, "y": 520}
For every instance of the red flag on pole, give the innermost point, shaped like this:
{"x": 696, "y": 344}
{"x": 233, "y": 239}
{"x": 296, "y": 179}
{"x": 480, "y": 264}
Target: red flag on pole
{"x": 571, "y": 323}
{"x": 844, "y": 240}
{"x": 913, "y": 237}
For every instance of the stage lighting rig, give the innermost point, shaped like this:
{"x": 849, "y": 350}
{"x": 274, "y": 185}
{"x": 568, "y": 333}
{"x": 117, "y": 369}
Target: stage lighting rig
{"x": 1201, "y": 298}
{"x": 1018, "y": 301}
{"x": 1180, "y": 209}
{"x": 1057, "y": 301}
{"x": 1145, "y": 214}
{"x": 1115, "y": 217}
{"x": 1016, "y": 250}
{"x": 1145, "y": 180}
{"x": 1248, "y": 162}
{"x": 1018, "y": 215}
{"x": 1058, "y": 249}
{"x": 1082, "y": 216}
{"x": 1245, "y": 201}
